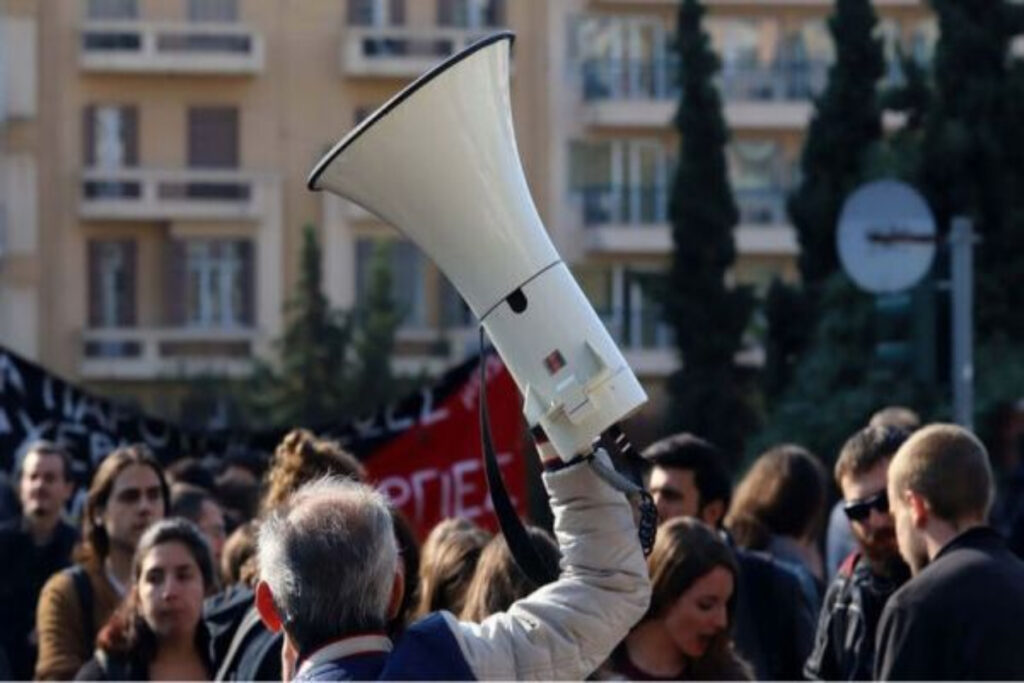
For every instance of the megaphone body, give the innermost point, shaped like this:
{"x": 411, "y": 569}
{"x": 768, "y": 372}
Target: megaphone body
{"x": 439, "y": 162}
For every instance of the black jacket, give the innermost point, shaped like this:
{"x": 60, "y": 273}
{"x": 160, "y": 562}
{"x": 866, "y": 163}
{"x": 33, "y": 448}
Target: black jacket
{"x": 24, "y": 568}
{"x": 774, "y": 625}
{"x": 961, "y": 617}
{"x": 844, "y": 646}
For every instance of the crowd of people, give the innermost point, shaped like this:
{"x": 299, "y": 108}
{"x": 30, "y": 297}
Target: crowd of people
{"x": 293, "y": 567}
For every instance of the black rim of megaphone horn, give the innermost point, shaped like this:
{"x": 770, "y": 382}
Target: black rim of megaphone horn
{"x": 402, "y": 96}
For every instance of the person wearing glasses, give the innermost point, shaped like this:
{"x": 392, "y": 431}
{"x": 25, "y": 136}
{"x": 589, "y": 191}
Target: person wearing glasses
{"x": 844, "y": 646}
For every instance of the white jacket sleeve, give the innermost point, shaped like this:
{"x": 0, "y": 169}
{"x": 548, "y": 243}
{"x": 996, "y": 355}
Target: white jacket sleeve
{"x": 565, "y": 630}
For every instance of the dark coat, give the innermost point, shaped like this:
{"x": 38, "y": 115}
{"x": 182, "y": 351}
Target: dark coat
{"x": 844, "y": 646}
{"x": 961, "y": 617}
{"x": 24, "y": 568}
{"x": 774, "y": 623}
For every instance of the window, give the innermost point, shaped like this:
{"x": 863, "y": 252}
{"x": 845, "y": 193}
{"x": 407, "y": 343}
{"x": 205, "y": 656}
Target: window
{"x": 218, "y": 282}
{"x": 621, "y": 181}
{"x": 623, "y": 58}
{"x": 213, "y": 10}
{"x": 111, "y": 283}
{"x": 407, "y": 267}
{"x": 471, "y": 13}
{"x": 112, "y": 9}
{"x": 213, "y": 137}
{"x": 110, "y": 136}
{"x": 758, "y": 175}
{"x": 376, "y": 12}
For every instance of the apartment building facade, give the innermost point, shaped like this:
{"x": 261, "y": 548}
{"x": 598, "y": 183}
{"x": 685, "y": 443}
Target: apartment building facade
{"x": 154, "y": 156}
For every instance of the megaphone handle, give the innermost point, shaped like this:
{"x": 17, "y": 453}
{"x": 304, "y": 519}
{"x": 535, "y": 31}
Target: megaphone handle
{"x": 521, "y": 547}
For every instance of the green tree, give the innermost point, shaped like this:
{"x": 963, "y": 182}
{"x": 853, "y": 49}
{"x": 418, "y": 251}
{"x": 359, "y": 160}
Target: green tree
{"x": 312, "y": 384}
{"x": 377, "y": 319}
{"x": 973, "y": 151}
{"x": 708, "y": 394}
{"x": 847, "y": 120}
{"x": 845, "y": 127}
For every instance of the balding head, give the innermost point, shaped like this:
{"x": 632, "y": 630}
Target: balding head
{"x": 948, "y": 467}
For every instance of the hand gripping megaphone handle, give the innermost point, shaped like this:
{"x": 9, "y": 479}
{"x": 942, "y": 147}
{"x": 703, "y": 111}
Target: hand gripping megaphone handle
{"x": 523, "y": 552}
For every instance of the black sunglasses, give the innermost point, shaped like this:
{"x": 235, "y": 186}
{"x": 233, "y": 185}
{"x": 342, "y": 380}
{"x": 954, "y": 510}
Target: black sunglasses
{"x": 859, "y": 510}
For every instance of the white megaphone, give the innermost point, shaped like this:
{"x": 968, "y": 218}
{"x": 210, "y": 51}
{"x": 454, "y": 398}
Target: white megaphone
{"x": 439, "y": 162}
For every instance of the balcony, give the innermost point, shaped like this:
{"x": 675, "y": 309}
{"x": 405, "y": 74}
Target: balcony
{"x": 183, "y": 194}
{"x": 402, "y": 51}
{"x": 150, "y": 353}
{"x": 619, "y": 93}
{"x": 634, "y": 220}
{"x": 178, "y": 48}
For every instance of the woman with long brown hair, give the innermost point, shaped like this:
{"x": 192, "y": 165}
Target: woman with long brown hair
{"x": 685, "y": 633}
{"x": 157, "y": 632}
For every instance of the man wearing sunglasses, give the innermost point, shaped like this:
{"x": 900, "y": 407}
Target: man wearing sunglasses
{"x": 844, "y": 647}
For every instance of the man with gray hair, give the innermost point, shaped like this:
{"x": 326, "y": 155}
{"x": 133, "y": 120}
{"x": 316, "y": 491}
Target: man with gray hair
{"x": 959, "y": 617}
{"x": 330, "y": 579}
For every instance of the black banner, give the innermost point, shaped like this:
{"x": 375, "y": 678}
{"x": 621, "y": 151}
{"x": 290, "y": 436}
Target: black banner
{"x": 35, "y": 404}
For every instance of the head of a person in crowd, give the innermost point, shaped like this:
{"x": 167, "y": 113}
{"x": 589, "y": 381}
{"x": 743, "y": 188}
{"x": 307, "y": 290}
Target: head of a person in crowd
{"x": 861, "y": 473}
{"x": 498, "y": 581}
{"x": 238, "y": 558}
{"x": 302, "y": 457}
{"x": 172, "y": 573}
{"x": 783, "y": 494}
{"x": 239, "y": 500}
{"x": 693, "y": 598}
{"x": 409, "y": 554}
{"x": 243, "y": 465}
{"x": 687, "y": 479}
{"x": 940, "y": 484}
{"x": 900, "y": 417}
{"x": 45, "y": 482}
{"x": 328, "y": 564}
{"x": 191, "y": 471}
{"x": 201, "y": 508}
{"x": 127, "y": 494}
{"x": 449, "y": 558}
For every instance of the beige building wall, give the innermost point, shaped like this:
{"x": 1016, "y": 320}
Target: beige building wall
{"x": 301, "y": 85}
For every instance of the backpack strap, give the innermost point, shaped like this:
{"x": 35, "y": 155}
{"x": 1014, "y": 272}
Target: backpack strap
{"x": 251, "y": 619}
{"x": 85, "y": 599}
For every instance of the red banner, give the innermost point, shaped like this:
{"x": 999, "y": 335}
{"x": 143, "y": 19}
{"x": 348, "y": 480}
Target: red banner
{"x": 433, "y": 469}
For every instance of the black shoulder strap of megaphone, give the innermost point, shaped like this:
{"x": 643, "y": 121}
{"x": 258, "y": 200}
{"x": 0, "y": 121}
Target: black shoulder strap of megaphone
{"x": 519, "y": 544}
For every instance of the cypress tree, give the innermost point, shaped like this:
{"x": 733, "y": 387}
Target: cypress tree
{"x": 708, "y": 396}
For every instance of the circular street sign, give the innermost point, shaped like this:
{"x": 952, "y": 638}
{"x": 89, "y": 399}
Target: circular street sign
{"x": 886, "y": 236}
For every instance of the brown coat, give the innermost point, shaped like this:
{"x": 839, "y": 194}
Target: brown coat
{"x": 63, "y": 644}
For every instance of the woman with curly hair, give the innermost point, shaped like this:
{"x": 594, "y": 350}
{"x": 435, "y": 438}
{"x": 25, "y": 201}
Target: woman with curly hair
{"x": 157, "y": 632}
{"x": 301, "y": 457}
{"x": 685, "y": 633}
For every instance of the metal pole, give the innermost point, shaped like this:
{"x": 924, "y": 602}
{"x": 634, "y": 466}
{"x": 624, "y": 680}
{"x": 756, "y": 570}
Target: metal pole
{"x": 961, "y": 242}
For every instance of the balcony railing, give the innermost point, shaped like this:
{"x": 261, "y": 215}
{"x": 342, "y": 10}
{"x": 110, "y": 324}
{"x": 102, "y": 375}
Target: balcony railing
{"x": 657, "y": 80}
{"x": 402, "y": 51}
{"x": 762, "y": 206}
{"x": 146, "y": 353}
{"x": 160, "y": 47}
{"x": 152, "y": 194}
{"x": 619, "y": 204}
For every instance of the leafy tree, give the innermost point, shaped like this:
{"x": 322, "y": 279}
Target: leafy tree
{"x": 847, "y": 121}
{"x": 378, "y": 318}
{"x": 311, "y": 386}
{"x": 973, "y": 151}
{"x": 708, "y": 395}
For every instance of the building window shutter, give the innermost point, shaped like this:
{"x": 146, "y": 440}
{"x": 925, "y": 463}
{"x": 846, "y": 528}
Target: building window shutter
{"x": 496, "y": 13}
{"x": 446, "y": 12}
{"x": 130, "y": 134}
{"x": 94, "y": 256}
{"x": 359, "y": 12}
{"x": 247, "y": 281}
{"x": 397, "y": 13}
{"x": 213, "y": 137}
{"x": 89, "y": 135}
{"x": 174, "y": 289}
{"x": 126, "y": 308}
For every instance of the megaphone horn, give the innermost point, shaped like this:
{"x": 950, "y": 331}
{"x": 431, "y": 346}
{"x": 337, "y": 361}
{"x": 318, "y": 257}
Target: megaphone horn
{"x": 439, "y": 162}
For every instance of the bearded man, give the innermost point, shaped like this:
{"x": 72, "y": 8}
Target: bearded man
{"x": 844, "y": 647}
